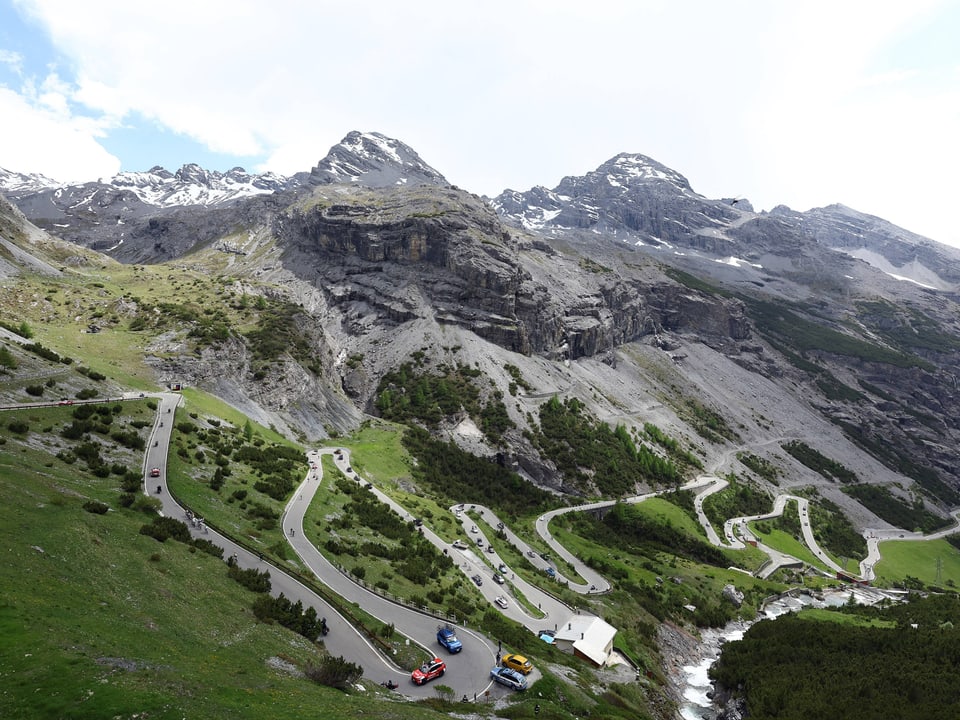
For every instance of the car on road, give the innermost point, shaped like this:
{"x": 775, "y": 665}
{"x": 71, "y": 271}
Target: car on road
{"x": 510, "y": 678}
{"x": 516, "y": 662}
{"x": 479, "y": 542}
{"x": 531, "y": 553}
{"x": 459, "y": 544}
{"x": 65, "y": 402}
{"x": 478, "y": 580}
{"x": 498, "y": 579}
{"x": 501, "y": 601}
{"x": 490, "y": 549}
{"x": 447, "y": 637}
{"x": 428, "y": 671}
{"x": 503, "y": 569}
{"x": 551, "y": 572}
{"x": 155, "y": 472}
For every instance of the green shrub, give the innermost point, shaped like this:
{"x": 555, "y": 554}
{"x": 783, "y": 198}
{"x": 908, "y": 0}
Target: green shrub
{"x": 251, "y": 579}
{"x": 334, "y": 672}
{"x": 7, "y": 360}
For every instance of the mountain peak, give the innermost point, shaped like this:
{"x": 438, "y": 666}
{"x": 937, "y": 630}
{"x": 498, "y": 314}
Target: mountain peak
{"x": 19, "y": 182}
{"x": 623, "y": 195}
{"x": 633, "y": 167}
{"x": 375, "y": 160}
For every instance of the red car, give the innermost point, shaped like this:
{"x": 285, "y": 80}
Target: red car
{"x": 155, "y": 472}
{"x": 428, "y": 671}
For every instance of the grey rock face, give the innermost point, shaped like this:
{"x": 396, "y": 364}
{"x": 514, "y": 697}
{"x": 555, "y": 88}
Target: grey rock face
{"x": 880, "y": 243}
{"x": 408, "y": 254}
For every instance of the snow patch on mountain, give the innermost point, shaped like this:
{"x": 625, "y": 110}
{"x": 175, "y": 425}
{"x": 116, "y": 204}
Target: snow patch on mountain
{"x": 193, "y": 185}
{"x": 643, "y": 168}
{"x": 737, "y": 262}
{"x": 914, "y": 271}
{"x": 190, "y": 185}
{"x": 11, "y": 182}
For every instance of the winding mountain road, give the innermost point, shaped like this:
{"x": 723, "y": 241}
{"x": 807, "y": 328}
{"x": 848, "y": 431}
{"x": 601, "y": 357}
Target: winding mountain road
{"x": 468, "y": 670}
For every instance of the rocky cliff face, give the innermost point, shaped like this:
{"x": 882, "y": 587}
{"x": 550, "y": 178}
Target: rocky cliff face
{"x": 410, "y": 254}
{"x": 404, "y": 254}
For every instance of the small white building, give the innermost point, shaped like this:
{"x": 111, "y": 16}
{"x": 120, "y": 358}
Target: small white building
{"x": 586, "y": 636}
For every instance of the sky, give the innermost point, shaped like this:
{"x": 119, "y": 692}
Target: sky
{"x": 782, "y": 103}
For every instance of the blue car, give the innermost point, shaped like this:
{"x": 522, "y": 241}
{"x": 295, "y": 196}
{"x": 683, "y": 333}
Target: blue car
{"x": 447, "y": 637}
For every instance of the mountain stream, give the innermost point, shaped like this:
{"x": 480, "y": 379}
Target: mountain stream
{"x": 698, "y": 689}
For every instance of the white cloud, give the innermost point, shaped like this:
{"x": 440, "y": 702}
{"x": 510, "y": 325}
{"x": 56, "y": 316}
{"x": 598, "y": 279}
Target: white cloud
{"x": 12, "y": 60}
{"x": 69, "y": 152}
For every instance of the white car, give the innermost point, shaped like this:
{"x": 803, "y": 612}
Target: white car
{"x": 501, "y": 601}
{"x": 459, "y": 544}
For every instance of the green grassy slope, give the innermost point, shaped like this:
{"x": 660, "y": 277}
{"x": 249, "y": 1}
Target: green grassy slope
{"x": 100, "y": 621}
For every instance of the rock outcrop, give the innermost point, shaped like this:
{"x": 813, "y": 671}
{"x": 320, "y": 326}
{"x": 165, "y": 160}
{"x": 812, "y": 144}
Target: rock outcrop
{"x": 404, "y": 254}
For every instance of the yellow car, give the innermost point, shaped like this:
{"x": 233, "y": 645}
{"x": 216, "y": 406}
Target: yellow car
{"x": 516, "y": 662}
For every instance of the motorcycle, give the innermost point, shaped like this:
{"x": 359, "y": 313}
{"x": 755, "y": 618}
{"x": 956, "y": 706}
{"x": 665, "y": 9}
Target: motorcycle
{"x": 323, "y": 627}
{"x": 390, "y": 685}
